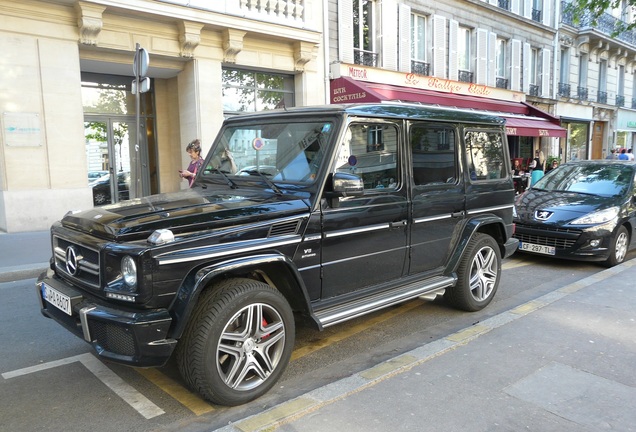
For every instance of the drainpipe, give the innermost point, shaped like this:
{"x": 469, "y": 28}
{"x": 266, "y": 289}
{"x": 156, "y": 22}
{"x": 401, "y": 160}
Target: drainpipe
{"x": 556, "y": 78}
{"x": 325, "y": 47}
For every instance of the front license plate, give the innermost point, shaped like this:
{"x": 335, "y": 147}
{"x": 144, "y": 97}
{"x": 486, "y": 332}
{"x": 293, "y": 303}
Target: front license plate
{"x": 57, "y": 299}
{"x": 540, "y": 249}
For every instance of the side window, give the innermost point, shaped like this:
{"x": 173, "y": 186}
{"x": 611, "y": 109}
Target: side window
{"x": 485, "y": 154}
{"x": 433, "y": 151}
{"x": 369, "y": 150}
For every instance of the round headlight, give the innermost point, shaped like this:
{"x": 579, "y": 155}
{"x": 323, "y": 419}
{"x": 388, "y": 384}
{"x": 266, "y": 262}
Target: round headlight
{"x": 129, "y": 271}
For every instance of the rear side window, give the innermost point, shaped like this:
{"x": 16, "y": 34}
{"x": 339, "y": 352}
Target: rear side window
{"x": 485, "y": 155}
{"x": 433, "y": 151}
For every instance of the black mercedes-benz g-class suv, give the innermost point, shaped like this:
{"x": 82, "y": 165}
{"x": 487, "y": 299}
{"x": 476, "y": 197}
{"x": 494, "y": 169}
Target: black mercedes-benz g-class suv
{"x": 328, "y": 213}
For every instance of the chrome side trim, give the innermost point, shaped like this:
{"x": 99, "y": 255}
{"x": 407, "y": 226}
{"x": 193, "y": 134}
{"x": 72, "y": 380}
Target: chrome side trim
{"x": 432, "y": 218}
{"x": 489, "y": 209}
{"x": 224, "y": 249}
{"x": 312, "y": 237}
{"x": 345, "y": 232}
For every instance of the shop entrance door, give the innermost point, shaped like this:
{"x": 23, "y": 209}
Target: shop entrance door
{"x": 597, "y": 140}
{"x": 109, "y": 143}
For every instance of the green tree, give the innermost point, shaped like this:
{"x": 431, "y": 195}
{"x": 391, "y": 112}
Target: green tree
{"x": 591, "y": 11}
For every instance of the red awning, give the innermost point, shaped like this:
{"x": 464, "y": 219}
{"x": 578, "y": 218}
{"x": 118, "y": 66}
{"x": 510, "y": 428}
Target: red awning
{"x": 533, "y": 127}
{"x": 348, "y": 90}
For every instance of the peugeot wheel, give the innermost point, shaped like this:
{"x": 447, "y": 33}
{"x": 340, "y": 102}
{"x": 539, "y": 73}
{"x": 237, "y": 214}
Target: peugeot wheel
{"x": 478, "y": 275}
{"x": 618, "y": 249}
{"x": 237, "y": 343}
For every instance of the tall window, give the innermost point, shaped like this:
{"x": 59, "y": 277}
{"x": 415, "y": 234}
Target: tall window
{"x": 249, "y": 91}
{"x": 534, "y": 66}
{"x": 501, "y": 58}
{"x": 418, "y": 37}
{"x": 602, "y": 76}
{"x": 463, "y": 49}
{"x": 364, "y": 32}
{"x": 582, "y": 88}
{"x": 564, "y": 78}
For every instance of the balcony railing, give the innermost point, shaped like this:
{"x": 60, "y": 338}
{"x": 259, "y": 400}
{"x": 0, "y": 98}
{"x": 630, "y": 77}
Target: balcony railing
{"x": 534, "y": 90}
{"x": 633, "y": 103}
{"x": 564, "y": 89}
{"x": 504, "y": 4}
{"x": 606, "y": 24}
{"x": 291, "y": 12}
{"x": 581, "y": 93}
{"x": 620, "y": 101}
{"x": 502, "y": 83}
{"x": 601, "y": 97}
{"x": 537, "y": 15}
{"x": 465, "y": 76}
{"x": 420, "y": 68}
{"x": 365, "y": 58}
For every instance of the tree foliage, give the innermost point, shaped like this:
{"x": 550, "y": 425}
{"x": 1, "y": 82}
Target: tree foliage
{"x": 593, "y": 10}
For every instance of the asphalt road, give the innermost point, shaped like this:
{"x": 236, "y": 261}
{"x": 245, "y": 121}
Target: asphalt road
{"x": 52, "y": 381}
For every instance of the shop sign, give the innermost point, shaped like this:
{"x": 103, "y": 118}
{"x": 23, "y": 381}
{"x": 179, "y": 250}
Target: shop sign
{"x": 21, "y": 129}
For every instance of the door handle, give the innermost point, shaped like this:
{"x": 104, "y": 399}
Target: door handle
{"x": 398, "y": 224}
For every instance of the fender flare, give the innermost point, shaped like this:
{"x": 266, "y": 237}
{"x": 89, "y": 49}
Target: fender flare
{"x": 489, "y": 224}
{"x": 199, "y": 278}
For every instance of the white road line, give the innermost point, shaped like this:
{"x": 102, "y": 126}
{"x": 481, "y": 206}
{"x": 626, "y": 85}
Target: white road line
{"x": 131, "y": 396}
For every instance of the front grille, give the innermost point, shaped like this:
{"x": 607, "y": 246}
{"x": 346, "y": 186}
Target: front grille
{"x": 560, "y": 238}
{"x": 113, "y": 338}
{"x": 87, "y": 272}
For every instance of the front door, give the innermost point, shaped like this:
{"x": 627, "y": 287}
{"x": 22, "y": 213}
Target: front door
{"x": 109, "y": 143}
{"x": 364, "y": 239}
{"x": 597, "y": 140}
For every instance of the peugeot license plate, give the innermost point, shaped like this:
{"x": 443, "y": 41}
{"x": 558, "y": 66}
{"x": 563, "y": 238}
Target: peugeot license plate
{"x": 540, "y": 249}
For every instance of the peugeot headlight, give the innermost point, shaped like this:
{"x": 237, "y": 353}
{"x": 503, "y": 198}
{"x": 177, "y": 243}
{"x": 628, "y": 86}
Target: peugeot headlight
{"x": 129, "y": 271}
{"x": 598, "y": 217}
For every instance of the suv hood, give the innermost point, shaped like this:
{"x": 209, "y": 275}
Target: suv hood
{"x": 183, "y": 212}
{"x": 564, "y": 207}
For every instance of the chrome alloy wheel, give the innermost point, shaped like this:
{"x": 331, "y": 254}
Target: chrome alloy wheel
{"x": 250, "y": 347}
{"x": 620, "y": 249}
{"x": 483, "y": 273}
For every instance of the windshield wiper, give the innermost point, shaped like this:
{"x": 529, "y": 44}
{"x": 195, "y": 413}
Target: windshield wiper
{"x": 270, "y": 183}
{"x": 228, "y": 180}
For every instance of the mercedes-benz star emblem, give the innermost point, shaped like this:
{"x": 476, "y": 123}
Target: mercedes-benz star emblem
{"x": 542, "y": 215}
{"x": 72, "y": 260}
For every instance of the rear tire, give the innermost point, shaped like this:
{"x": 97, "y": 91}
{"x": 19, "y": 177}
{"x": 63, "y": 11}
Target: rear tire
{"x": 618, "y": 249}
{"x": 478, "y": 275}
{"x": 237, "y": 342}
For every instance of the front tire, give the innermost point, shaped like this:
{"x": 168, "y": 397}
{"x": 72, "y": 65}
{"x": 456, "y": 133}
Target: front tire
{"x": 237, "y": 343}
{"x": 618, "y": 249}
{"x": 478, "y": 275}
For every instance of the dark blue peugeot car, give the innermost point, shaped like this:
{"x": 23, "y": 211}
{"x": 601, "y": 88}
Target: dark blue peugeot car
{"x": 584, "y": 210}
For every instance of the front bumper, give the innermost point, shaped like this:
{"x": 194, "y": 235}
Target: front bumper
{"x": 137, "y": 338}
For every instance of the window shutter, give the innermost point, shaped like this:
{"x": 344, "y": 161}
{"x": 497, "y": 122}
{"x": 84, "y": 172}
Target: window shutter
{"x": 515, "y": 65}
{"x": 545, "y": 73}
{"x": 527, "y": 10}
{"x": 481, "y": 70}
{"x": 404, "y": 17}
{"x": 453, "y": 30}
{"x": 389, "y": 34}
{"x": 547, "y": 13}
{"x": 492, "y": 60}
{"x": 345, "y": 31}
{"x": 527, "y": 55}
{"x": 439, "y": 46}
{"x": 515, "y": 6}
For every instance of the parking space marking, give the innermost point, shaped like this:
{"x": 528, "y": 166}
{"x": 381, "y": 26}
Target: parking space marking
{"x": 177, "y": 391}
{"x": 125, "y": 391}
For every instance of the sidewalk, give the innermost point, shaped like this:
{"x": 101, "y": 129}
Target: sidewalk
{"x": 24, "y": 255}
{"x": 563, "y": 362}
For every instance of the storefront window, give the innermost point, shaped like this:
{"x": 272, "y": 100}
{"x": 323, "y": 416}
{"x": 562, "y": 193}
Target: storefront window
{"x": 577, "y": 141}
{"x": 621, "y": 139}
{"x": 249, "y": 91}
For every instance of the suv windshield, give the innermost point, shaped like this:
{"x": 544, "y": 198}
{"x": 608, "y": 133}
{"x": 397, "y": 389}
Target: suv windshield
{"x": 603, "y": 180}
{"x": 278, "y": 150}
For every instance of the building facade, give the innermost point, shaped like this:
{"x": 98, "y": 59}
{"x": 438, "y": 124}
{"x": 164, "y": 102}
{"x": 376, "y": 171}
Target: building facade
{"x": 68, "y": 112}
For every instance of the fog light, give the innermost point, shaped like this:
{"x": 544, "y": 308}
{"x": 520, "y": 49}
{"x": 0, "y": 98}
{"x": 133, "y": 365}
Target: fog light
{"x": 595, "y": 243}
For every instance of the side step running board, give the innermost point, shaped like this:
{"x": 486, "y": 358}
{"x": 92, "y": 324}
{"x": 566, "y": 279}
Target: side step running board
{"x": 426, "y": 289}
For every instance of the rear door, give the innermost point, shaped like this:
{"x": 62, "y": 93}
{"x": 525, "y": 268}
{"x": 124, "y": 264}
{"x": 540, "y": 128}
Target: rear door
{"x": 438, "y": 194}
{"x": 365, "y": 238}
